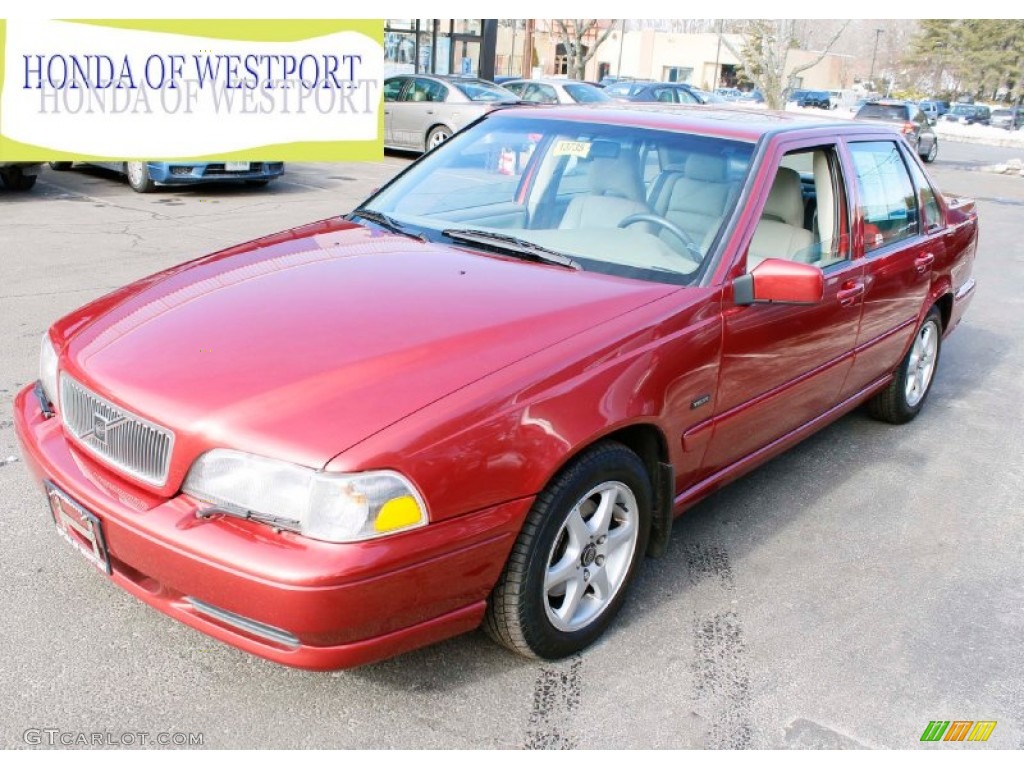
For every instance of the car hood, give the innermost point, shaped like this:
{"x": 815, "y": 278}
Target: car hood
{"x": 301, "y": 345}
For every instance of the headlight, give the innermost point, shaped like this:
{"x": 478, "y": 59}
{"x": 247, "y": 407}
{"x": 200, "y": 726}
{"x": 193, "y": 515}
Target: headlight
{"x": 322, "y": 505}
{"x": 48, "y": 368}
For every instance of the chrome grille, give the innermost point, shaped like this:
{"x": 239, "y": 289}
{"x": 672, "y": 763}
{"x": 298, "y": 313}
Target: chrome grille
{"x": 129, "y": 442}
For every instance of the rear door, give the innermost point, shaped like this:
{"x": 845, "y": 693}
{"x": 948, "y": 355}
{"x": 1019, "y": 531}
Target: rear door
{"x": 898, "y": 253}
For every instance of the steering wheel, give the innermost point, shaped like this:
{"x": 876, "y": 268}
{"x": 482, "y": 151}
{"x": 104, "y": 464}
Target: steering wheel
{"x": 675, "y": 229}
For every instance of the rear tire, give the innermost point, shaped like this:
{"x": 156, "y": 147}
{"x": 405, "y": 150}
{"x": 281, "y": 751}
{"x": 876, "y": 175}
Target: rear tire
{"x": 569, "y": 570}
{"x": 932, "y": 153}
{"x": 903, "y": 399}
{"x": 437, "y": 136}
{"x": 61, "y": 166}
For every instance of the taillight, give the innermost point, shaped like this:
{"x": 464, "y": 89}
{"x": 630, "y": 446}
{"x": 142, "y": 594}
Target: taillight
{"x": 908, "y": 128}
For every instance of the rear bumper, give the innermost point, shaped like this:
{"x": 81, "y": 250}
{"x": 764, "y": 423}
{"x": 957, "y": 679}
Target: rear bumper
{"x": 292, "y": 600}
{"x": 961, "y": 300}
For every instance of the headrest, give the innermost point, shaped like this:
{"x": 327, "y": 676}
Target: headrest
{"x": 786, "y": 200}
{"x": 672, "y": 159}
{"x": 705, "y": 168}
{"x": 616, "y": 177}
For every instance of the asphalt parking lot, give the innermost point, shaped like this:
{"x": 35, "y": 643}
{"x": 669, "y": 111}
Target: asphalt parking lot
{"x": 843, "y": 595}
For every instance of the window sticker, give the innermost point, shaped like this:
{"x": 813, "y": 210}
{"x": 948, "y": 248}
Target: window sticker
{"x": 578, "y": 149}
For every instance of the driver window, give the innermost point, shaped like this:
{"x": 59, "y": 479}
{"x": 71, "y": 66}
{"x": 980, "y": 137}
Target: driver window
{"x": 804, "y": 218}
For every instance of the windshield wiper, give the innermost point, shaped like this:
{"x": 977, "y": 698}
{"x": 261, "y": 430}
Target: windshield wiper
{"x": 512, "y": 245}
{"x": 385, "y": 221}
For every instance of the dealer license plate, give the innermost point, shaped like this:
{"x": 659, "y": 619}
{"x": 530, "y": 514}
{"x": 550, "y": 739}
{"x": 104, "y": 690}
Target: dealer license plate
{"x": 79, "y": 527}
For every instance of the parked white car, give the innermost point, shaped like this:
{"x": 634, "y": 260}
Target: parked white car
{"x": 556, "y": 91}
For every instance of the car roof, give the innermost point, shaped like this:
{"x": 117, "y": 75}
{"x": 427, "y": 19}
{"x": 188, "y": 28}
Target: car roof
{"x": 721, "y": 119}
{"x": 550, "y": 81}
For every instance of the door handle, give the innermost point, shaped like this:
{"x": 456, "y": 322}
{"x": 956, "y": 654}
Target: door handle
{"x": 850, "y": 292}
{"x": 430, "y": 111}
{"x": 923, "y": 262}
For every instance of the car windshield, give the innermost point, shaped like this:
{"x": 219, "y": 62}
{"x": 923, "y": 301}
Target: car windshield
{"x": 621, "y": 200}
{"x": 962, "y": 109}
{"x": 585, "y": 94}
{"x": 481, "y": 90}
{"x": 882, "y": 112}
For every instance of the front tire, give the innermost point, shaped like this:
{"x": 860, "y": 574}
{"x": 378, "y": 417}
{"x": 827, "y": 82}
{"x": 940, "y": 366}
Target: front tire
{"x": 571, "y": 565}
{"x": 903, "y": 399}
{"x": 138, "y": 177}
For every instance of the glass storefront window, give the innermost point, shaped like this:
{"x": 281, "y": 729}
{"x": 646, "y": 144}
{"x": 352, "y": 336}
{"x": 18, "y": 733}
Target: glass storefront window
{"x": 399, "y": 53}
{"x": 468, "y": 27}
{"x": 433, "y": 46}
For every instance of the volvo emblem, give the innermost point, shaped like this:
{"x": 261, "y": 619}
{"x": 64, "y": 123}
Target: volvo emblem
{"x": 102, "y": 427}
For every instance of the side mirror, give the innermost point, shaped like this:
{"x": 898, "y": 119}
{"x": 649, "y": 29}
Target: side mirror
{"x": 780, "y": 281}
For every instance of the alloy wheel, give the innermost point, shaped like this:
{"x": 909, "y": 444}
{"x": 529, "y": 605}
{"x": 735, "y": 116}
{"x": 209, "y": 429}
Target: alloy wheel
{"x": 591, "y": 556}
{"x": 921, "y": 364}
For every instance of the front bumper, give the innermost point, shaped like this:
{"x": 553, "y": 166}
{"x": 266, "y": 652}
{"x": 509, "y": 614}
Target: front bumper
{"x": 292, "y": 600}
{"x": 194, "y": 173}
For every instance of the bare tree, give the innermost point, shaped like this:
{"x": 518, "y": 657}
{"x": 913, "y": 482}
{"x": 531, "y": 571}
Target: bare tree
{"x": 572, "y": 33}
{"x": 766, "y": 45}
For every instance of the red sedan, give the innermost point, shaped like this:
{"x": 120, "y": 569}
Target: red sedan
{"x": 483, "y": 396}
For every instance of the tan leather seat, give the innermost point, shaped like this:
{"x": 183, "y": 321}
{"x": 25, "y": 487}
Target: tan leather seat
{"x": 780, "y": 233}
{"x": 696, "y": 200}
{"x": 616, "y": 191}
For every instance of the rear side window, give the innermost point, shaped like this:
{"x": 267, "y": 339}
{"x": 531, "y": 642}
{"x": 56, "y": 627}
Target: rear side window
{"x": 888, "y": 202}
{"x": 685, "y": 97}
{"x": 931, "y": 214}
{"x": 426, "y": 90}
{"x": 539, "y": 93}
{"x": 585, "y": 94}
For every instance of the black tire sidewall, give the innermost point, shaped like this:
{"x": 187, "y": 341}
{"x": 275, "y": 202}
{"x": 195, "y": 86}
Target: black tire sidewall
{"x": 620, "y": 465}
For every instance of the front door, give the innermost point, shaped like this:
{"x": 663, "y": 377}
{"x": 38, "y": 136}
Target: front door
{"x": 392, "y": 93}
{"x": 784, "y": 365}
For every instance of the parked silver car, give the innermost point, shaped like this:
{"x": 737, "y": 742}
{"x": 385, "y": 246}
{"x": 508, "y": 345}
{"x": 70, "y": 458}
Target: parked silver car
{"x": 423, "y": 111}
{"x": 557, "y": 91}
